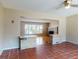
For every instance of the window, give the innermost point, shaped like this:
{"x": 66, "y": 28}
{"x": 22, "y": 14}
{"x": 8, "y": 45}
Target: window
{"x": 33, "y": 29}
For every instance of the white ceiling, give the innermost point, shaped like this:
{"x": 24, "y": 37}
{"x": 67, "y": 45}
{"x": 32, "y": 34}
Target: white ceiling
{"x": 44, "y": 6}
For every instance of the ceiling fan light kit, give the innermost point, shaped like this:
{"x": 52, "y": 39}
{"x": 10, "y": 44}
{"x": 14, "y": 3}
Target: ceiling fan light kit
{"x": 69, "y": 1}
{"x": 67, "y": 4}
{"x": 67, "y": 7}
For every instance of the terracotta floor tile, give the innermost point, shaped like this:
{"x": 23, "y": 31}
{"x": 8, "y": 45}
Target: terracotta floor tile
{"x": 60, "y": 51}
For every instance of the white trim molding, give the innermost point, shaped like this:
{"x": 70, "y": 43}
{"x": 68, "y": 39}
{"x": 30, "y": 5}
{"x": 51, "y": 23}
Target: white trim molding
{"x": 1, "y": 52}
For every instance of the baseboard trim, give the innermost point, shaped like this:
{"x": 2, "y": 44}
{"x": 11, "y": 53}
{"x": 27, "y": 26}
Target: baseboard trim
{"x": 73, "y": 42}
{"x": 9, "y": 48}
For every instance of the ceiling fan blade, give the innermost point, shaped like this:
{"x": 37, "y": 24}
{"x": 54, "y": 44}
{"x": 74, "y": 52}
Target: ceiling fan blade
{"x": 74, "y": 5}
{"x": 60, "y": 5}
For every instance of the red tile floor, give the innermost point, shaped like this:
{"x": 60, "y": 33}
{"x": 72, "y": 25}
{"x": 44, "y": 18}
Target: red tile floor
{"x": 60, "y": 51}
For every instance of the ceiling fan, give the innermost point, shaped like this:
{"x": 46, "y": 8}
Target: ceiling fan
{"x": 67, "y": 4}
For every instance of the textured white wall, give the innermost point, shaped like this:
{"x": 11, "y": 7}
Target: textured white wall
{"x": 72, "y": 29}
{"x": 1, "y": 28}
